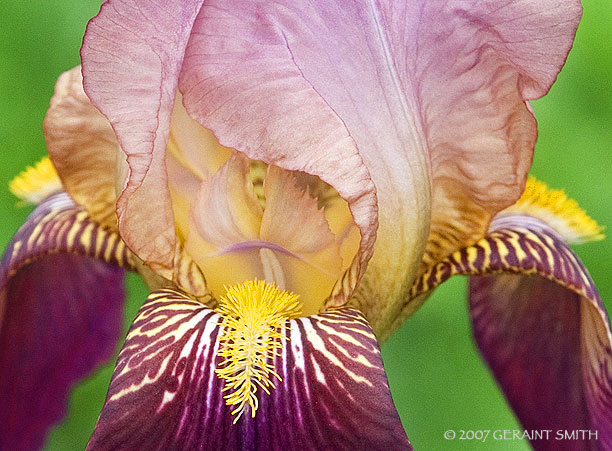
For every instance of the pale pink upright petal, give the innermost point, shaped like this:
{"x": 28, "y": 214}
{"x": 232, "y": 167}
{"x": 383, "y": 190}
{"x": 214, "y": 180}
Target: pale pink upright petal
{"x": 476, "y": 64}
{"x": 430, "y": 95}
{"x": 132, "y": 54}
{"x": 304, "y": 86}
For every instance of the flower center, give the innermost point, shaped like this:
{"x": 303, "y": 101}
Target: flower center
{"x": 255, "y": 314}
{"x": 241, "y": 219}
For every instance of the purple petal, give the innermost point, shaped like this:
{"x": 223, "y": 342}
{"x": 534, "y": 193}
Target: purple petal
{"x": 166, "y": 395}
{"x": 60, "y": 316}
{"x": 541, "y": 327}
{"x": 528, "y": 330}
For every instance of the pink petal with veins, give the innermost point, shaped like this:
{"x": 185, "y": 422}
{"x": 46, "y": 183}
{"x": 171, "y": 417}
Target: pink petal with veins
{"x": 132, "y": 54}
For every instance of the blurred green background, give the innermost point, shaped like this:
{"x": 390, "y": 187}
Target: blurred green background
{"x": 437, "y": 378}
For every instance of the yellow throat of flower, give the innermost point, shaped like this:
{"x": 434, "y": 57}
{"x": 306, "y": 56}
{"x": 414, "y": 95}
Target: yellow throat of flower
{"x": 35, "y": 183}
{"x": 255, "y": 314}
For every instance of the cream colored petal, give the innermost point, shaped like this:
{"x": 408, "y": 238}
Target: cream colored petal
{"x": 309, "y": 277}
{"x": 184, "y": 186}
{"x": 343, "y": 227}
{"x": 225, "y": 269}
{"x": 226, "y": 210}
{"x": 292, "y": 218}
{"x": 337, "y": 214}
{"x": 289, "y": 243}
{"x": 195, "y": 147}
{"x": 83, "y": 148}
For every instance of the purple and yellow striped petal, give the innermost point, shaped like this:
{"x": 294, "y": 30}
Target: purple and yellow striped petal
{"x": 541, "y": 326}
{"x": 60, "y": 315}
{"x": 165, "y": 394}
{"x": 58, "y": 225}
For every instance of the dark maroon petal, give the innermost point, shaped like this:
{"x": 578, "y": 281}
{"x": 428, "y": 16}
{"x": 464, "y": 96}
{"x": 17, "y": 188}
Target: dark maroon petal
{"x": 60, "y": 316}
{"x": 541, "y": 327}
{"x": 335, "y": 393}
{"x": 529, "y": 332}
{"x": 165, "y": 395}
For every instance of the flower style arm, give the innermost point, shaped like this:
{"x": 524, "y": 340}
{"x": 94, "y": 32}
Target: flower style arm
{"x": 331, "y": 391}
{"x": 61, "y": 304}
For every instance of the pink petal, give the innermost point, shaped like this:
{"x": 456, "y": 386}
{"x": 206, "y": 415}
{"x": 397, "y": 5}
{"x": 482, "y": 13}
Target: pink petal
{"x": 132, "y": 54}
{"x": 429, "y": 95}
{"x": 476, "y": 68}
{"x": 421, "y": 98}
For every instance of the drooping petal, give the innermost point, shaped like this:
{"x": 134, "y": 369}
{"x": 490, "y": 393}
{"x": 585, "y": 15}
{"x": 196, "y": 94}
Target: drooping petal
{"x": 83, "y": 148}
{"x": 60, "y": 315}
{"x": 536, "y": 337}
{"x": 165, "y": 394}
{"x": 430, "y": 95}
{"x": 132, "y": 54}
{"x": 540, "y": 326}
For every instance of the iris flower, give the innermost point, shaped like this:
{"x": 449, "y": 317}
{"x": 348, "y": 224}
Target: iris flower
{"x": 293, "y": 180}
